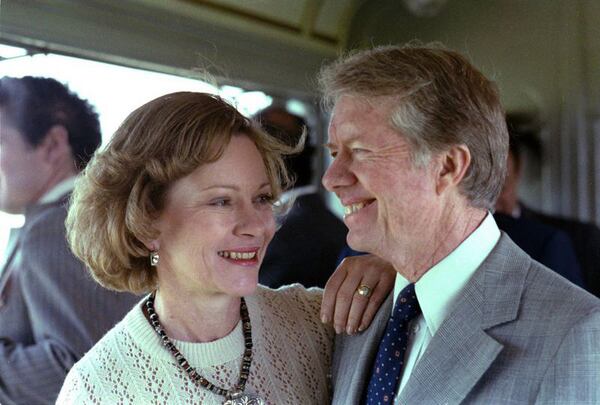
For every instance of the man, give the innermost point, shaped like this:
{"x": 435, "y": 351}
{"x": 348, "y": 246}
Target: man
{"x": 419, "y": 143}
{"x": 305, "y": 249}
{"x": 585, "y": 237}
{"x": 51, "y": 311}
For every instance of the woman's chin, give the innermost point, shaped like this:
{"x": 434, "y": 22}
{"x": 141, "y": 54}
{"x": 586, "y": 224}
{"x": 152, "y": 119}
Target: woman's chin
{"x": 243, "y": 288}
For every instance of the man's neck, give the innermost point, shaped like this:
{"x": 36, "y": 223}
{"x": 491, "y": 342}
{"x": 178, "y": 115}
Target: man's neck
{"x": 442, "y": 239}
{"x": 57, "y": 177}
{"x": 58, "y": 191}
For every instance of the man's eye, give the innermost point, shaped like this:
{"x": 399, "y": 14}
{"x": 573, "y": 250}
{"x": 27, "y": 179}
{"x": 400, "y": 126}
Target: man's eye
{"x": 358, "y": 150}
{"x": 220, "y": 202}
{"x": 333, "y": 154}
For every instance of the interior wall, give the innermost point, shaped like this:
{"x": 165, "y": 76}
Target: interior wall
{"x": 172, "y": 37}
{"x": 544, "y": 55}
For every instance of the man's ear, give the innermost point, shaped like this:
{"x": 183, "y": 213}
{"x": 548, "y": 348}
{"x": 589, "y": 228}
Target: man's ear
{"x": 56, "y": 147}
{"x": 453, "y": 166}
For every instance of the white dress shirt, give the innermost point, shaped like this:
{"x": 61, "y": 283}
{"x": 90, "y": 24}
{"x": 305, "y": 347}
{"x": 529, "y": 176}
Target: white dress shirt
{"x": 7, "y": 242}
{"x": 56, "y": 192}
{"x": 439, "y": 288}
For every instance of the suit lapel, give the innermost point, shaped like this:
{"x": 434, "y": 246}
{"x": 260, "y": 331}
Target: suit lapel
{"x": 461, "y": 351}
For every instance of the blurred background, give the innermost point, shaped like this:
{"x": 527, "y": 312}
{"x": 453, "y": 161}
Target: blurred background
{"x": 544, "y": 55}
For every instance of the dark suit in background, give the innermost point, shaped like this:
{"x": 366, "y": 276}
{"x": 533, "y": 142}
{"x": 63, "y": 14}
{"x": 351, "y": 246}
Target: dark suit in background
{"x": 586, "y": 242}
{"x": 305, "y": 249}
{"x": 545, "y": 244}
{"x": 551, "y": 247}
{"x": 585, "y": 237}
{"x": 51, "y": 310}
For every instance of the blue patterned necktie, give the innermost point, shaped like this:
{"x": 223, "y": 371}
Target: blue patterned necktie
{"x": 389, "y": 362}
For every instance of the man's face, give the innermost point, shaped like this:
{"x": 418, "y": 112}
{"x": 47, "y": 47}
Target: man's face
{"x": 389, "y": 203}
{"x": 22, "y": 172}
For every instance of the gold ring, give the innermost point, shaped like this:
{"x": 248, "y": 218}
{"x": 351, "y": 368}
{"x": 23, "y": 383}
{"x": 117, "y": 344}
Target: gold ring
{"x": 364, "y": 291}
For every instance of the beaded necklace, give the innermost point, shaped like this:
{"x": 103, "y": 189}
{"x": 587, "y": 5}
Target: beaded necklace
{"x": 236, "y": 396}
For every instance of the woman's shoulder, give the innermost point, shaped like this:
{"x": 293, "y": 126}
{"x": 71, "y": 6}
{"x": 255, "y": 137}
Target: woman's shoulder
{"x": 113, "y": 366}
{"x": 122, "y": 337}
{"x": 85, "y": 379}
{"x": 292, "y": 292}
{"x": 290, "y": 329}
{"x": 291, "y": 303}
{"x": 106, "y": 347}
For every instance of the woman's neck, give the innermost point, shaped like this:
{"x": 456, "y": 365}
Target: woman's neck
{"x": 197, "y": 319}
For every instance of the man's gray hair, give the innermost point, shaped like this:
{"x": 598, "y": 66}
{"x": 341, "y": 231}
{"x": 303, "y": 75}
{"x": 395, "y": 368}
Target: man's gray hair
{"x": 438, "y": 100}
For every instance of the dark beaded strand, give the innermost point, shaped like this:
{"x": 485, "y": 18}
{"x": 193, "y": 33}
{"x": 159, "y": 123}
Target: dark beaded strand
{"x": 191, "y": 371}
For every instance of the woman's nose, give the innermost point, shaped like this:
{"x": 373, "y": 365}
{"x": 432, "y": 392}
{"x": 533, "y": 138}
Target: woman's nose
{"x": 252, "y": 221}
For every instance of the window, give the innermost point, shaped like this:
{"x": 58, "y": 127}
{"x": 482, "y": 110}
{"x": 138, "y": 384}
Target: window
{"x": 115, "y": 91}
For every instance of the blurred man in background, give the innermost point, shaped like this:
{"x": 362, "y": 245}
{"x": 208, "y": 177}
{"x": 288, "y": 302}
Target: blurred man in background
{"x": 51, "y": 311}
{"x": 305, "y": 248}
{"x": 584, "y": 237}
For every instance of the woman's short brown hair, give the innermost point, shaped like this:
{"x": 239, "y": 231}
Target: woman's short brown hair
{"x": 124, "y": 186}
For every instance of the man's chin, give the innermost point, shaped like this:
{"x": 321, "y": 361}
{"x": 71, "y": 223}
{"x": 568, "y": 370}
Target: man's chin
{"x": 358, "y": 243}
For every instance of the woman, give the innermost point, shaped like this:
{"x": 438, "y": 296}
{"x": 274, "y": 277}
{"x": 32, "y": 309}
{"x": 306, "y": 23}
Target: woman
{"x": 179, "y": 204}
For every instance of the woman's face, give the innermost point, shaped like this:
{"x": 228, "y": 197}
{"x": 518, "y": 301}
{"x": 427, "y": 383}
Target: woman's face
{"x": 216, "y": 225}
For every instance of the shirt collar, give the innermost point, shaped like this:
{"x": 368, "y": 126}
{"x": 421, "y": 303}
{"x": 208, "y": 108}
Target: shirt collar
{"x": 438, "y": 289}
{"x": 56, "y": 192}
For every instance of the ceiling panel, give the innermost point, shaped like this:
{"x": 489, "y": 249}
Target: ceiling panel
{"x": 285, "y": 12}
{"x": 332, "y": 17}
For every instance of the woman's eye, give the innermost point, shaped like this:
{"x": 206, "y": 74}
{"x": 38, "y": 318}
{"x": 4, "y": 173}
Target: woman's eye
{"x": 265, "y": 199}
{"x": 220, "y": 202}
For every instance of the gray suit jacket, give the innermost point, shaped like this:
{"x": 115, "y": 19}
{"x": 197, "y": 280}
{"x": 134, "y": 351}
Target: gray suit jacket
{"x": 51, "y": 311}
{"x": 519, "y": 334}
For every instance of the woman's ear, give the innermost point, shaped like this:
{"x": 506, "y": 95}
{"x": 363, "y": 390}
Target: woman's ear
{"x": 453, "y": 166}
{"x": 152, "y": 245}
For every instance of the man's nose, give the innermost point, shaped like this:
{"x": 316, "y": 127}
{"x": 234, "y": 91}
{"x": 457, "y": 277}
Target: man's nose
{"x": 337, "y": 174}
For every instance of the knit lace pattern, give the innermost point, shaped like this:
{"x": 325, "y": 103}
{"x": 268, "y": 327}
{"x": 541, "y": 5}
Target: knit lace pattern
{"x": 292, "y": 357}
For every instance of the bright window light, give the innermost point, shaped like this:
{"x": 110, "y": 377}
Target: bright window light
{"x": 115, "y": 91}
{"x": 251, "y": 102}
{"x": 8, "y": 52}
{"x": 296, "y": 107}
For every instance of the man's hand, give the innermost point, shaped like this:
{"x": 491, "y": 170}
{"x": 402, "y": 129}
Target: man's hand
{"x": 342, "y": 304}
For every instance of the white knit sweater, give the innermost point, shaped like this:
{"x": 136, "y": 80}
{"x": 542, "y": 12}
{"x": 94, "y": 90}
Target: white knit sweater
{"x": 292, "y": 356}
